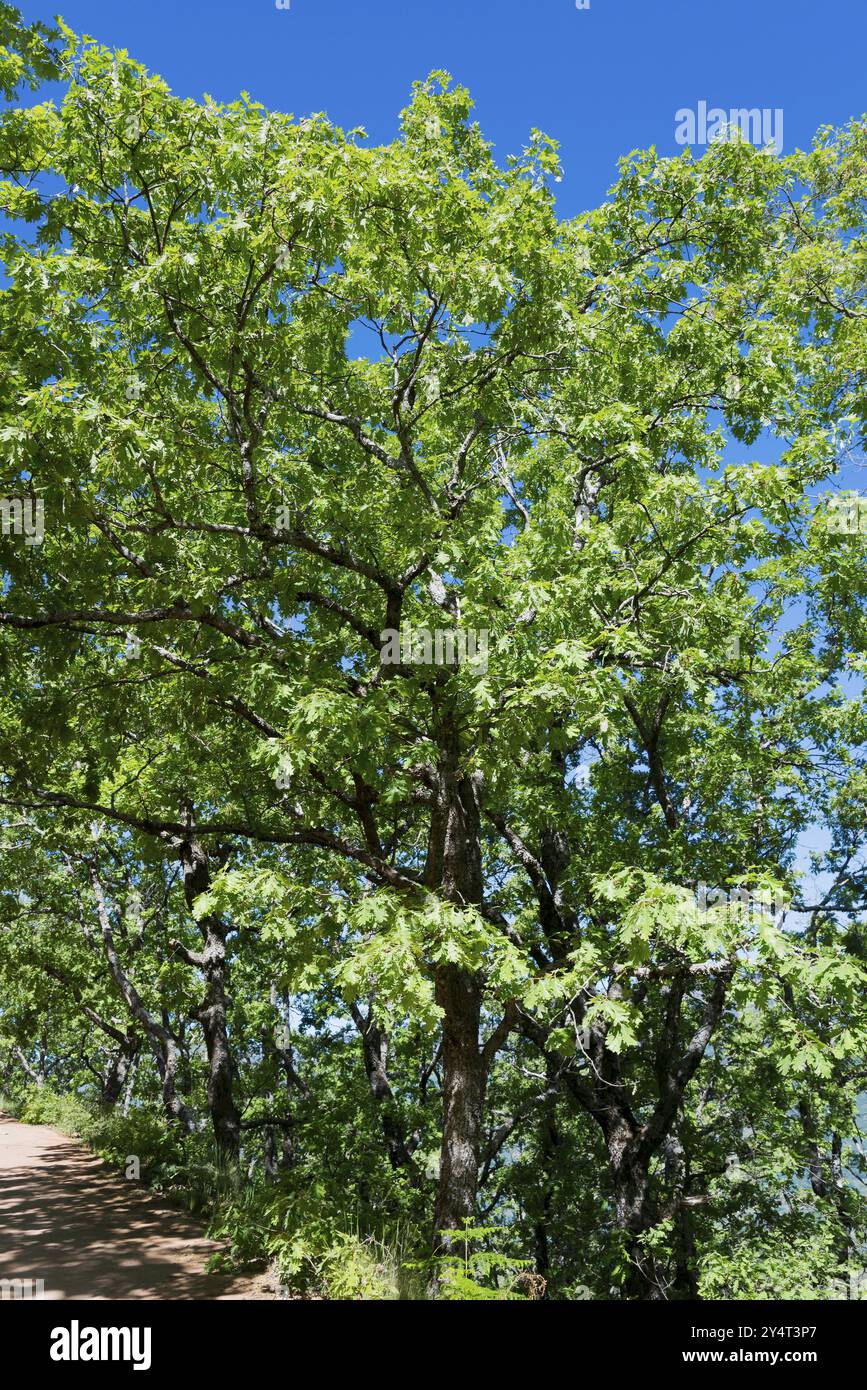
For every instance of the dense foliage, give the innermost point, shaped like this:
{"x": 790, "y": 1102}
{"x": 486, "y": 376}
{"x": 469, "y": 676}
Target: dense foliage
{"x": 385, "y": 945}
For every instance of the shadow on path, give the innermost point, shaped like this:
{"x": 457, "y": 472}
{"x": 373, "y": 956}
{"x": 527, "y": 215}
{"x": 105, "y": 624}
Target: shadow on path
{"x": 67, "y": 1219}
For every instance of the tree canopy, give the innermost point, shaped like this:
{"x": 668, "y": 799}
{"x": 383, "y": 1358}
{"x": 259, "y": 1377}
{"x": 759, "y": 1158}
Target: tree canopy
{"x": 528, "y": 937}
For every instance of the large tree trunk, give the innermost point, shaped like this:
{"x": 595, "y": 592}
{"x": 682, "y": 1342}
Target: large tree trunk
{"x": 459, "y": 995}
{"x": 549, "y": 1145}
{"x": 454, "y": 869}
{"x": 212, "y": 1013}
{"x": 630, "y": 1180}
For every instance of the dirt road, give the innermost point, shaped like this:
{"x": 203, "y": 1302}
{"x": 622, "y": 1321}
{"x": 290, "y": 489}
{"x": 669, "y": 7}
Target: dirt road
{"x": 68, "y": 1219}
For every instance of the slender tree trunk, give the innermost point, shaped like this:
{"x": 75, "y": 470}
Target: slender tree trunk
{"x": 162, "y": 1041}
{"x": 270, "y": 1152}
{"x": 165, "y": 1053}
{"x": 36, "y": 1076}
{"x": 374, "y": 1042}
{"x": 115, "y": 1077}
{"x": 130, "y": 1084}
{"x": 279, "y": 1041}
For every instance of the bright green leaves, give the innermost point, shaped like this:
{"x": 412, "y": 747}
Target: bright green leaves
{"x": 619, "y": 1018}
{"x": 26, "y": 53}
{"x": 396, "y": 945}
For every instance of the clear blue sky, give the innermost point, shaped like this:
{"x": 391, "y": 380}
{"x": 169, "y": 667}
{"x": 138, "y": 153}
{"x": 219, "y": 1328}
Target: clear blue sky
{"x": 603, "y": 81}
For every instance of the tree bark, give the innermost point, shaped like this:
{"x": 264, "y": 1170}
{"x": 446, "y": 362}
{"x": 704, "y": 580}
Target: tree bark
{"x": 37, "y": 1077}
{"x": 116, "y": 1074}
{"x": 163, "y": 1043}
{"x": 130, "y": 1084}
{"x": 212, "y": 1013}
{"x": 374, "y": 1042}
{"x": 459, "y": 995}
{"x": 225, "y": 1117}
{"x": 454, "y": 870}
{"x": 630, "y": 1180}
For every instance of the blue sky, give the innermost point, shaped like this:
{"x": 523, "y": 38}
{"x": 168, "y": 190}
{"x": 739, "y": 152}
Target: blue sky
{"x": 603, "y": 81}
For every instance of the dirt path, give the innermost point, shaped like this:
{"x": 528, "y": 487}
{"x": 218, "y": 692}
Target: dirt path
{"x": 66, "y": 1218}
